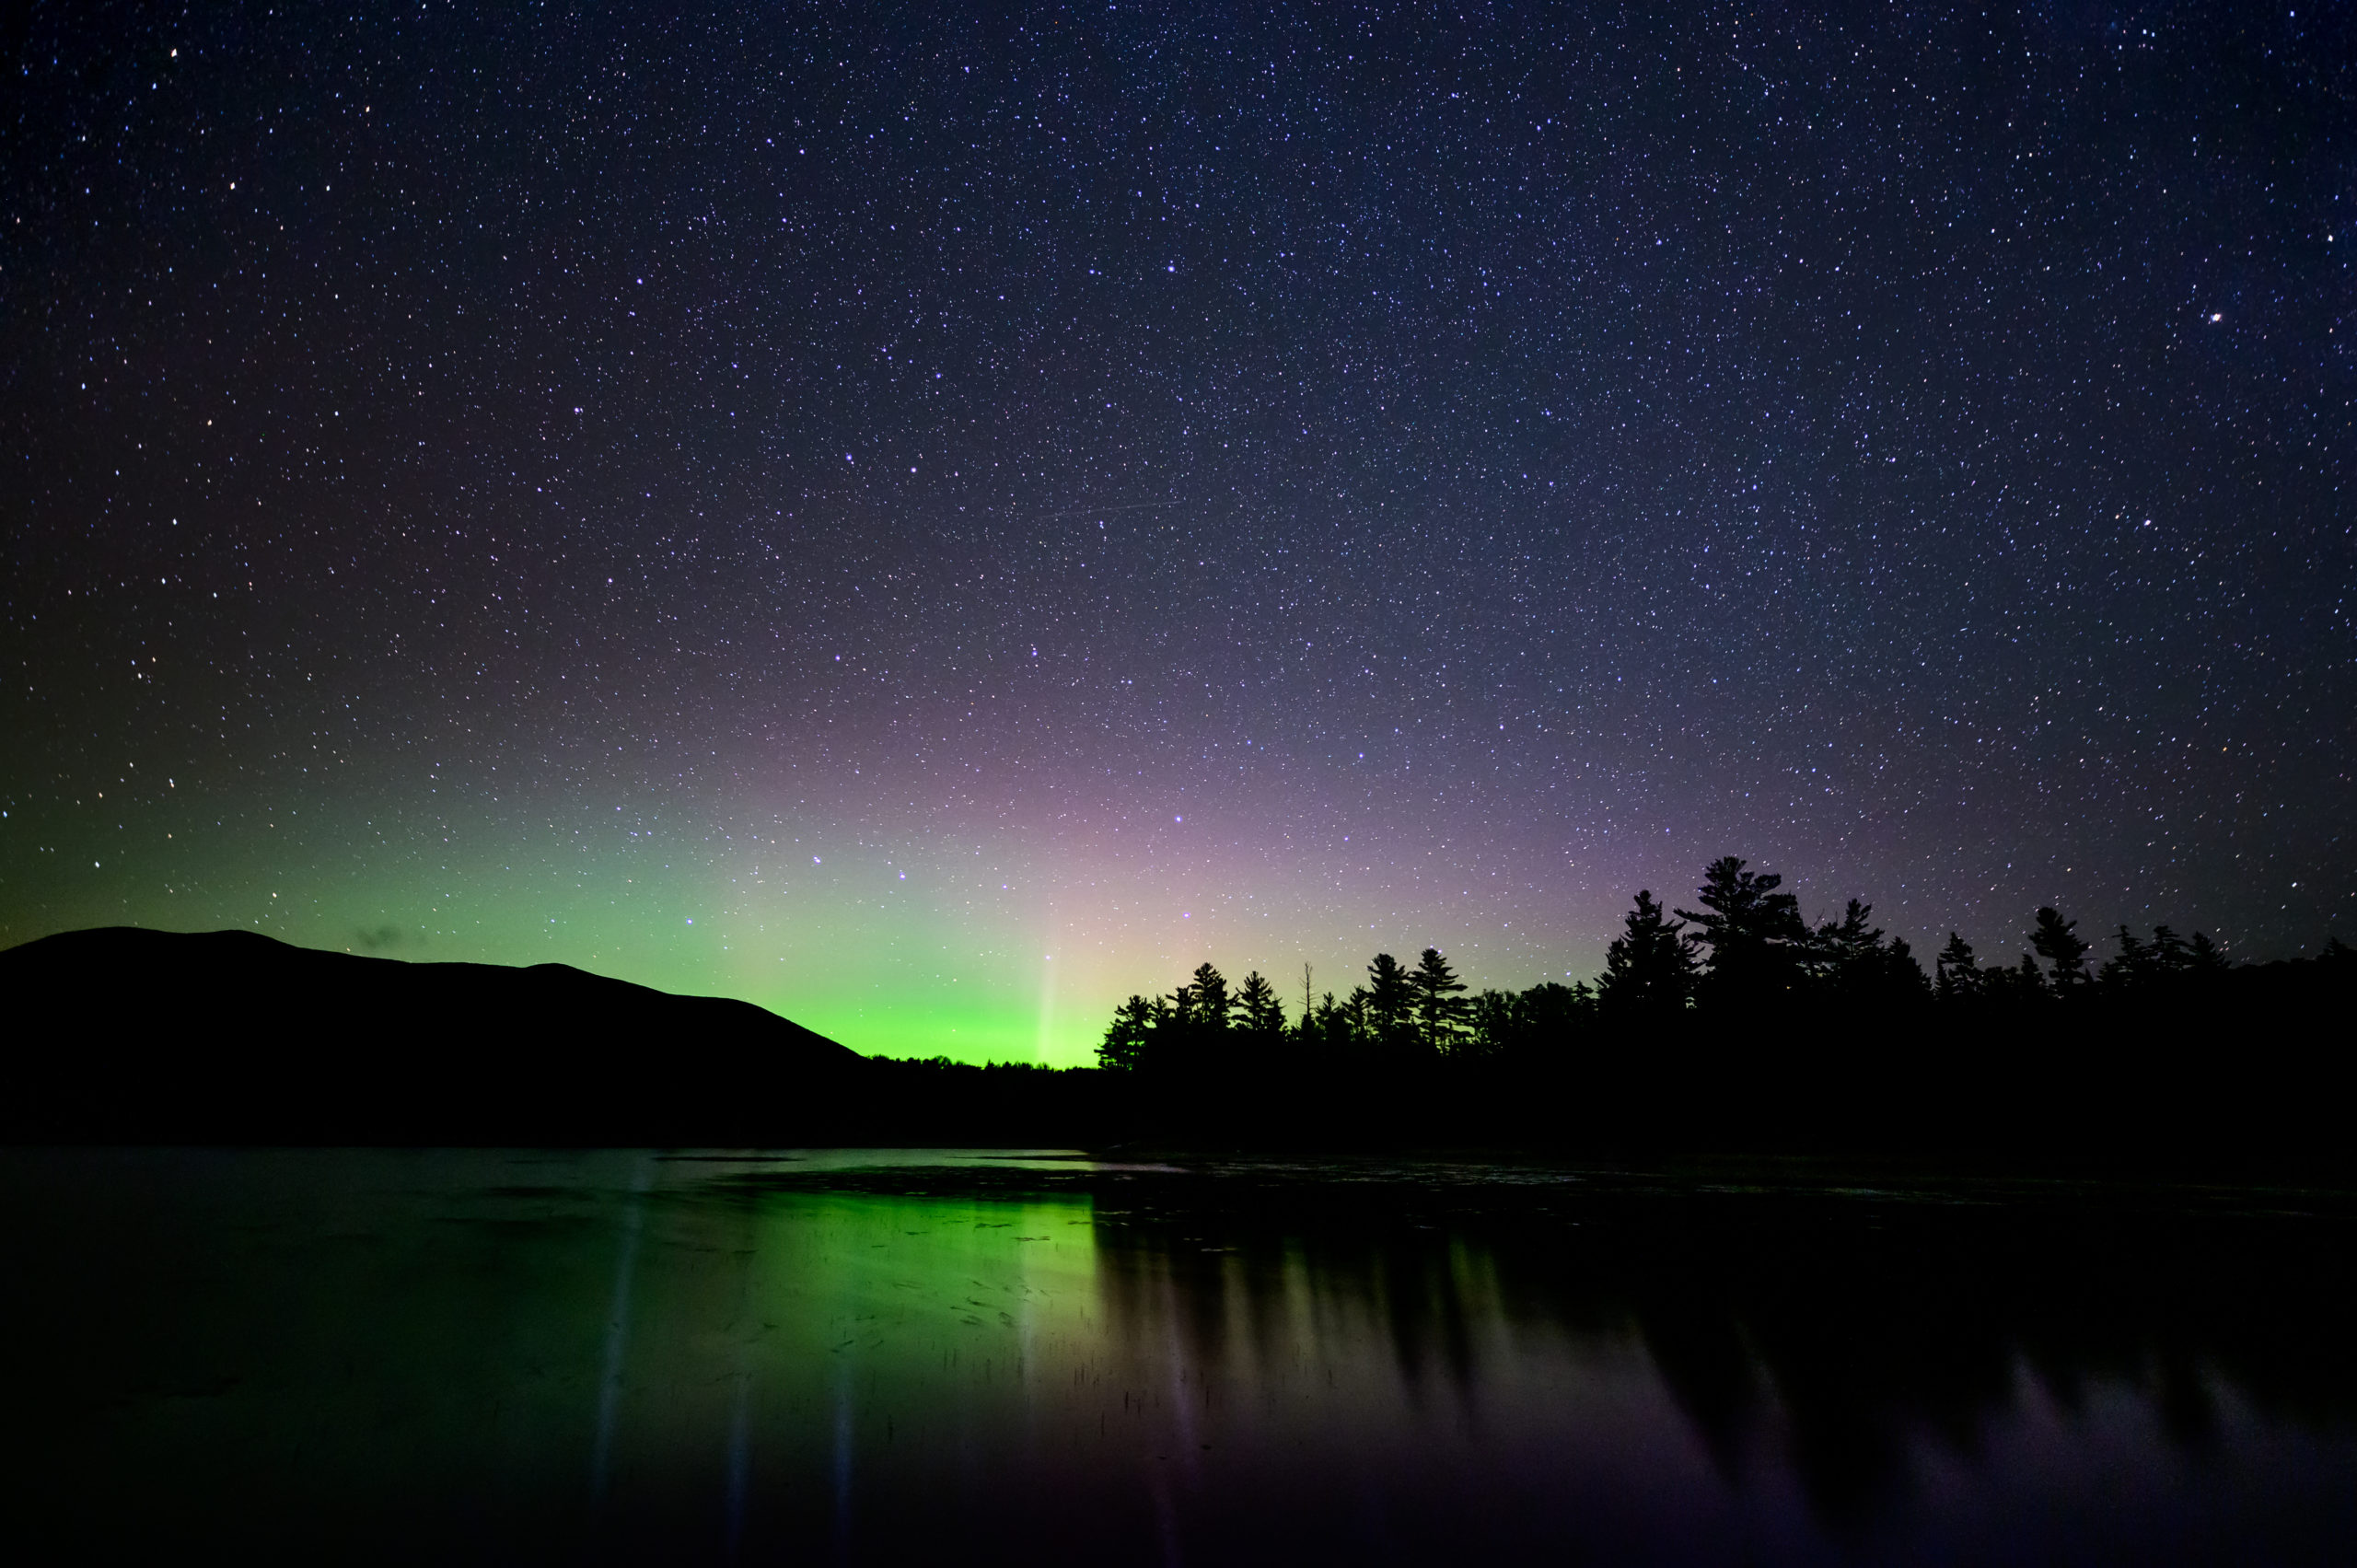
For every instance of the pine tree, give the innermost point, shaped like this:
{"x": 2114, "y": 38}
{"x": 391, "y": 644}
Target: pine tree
{"x": 1351, "y": 1025}
{"x": 1207, "y": 1005}
{"x": 1493, "y": 1017}
{"x": 1326, "y": 1028}
{"x": 2057, "y": 941}
{"x": 1901, "y": 982}
{"x": 1757, "y": 942}
{"x": 1847, "y": 951}
{"x": 2132, "y": 967}
{"x": 1960, "y": 979}
{"x": 1439, "y": 1001}
{"x": 1257, "y": 1002}
{"x": 1390, "y": 999}
{"x": 1649, "y": 967}
{"x": 1127, "y": 1044}
{"x": 1549, "y": 1016}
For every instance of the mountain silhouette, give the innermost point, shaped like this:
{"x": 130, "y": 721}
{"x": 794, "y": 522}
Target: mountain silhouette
{"x": 124, "y": 1034}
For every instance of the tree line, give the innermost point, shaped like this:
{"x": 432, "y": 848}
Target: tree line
{"x": 1744, "y": 965}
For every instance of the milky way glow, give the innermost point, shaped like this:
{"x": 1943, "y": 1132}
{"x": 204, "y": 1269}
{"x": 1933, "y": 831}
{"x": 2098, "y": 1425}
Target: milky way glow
{"x": 935, "y": 521}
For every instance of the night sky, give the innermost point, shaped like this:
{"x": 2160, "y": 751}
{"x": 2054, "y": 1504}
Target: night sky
{"x": 932, "y": 522}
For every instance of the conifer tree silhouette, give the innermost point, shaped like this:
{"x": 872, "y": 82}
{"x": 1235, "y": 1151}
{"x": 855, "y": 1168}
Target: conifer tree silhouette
{"x": 1205, "y": 1004}
{"x": 2057, "y": 941}
{"x": 1439, "y": 1004}
{"x": 1491, "y": 1024}
{"x": 1128, "y": 1038}
{"x": 2131, "y": 967}
{"x": 1848, "y": 952}
{"x": 1649, "y": 967}
{"x": 1390, "y": 1001}
{"x": 1753, "y": 934}
{"x": 2025, "y": 983}
{"x": 1258, "y": 1011}
{"x": 1409, "y": 1042}
{"x": 1960, "y": 976}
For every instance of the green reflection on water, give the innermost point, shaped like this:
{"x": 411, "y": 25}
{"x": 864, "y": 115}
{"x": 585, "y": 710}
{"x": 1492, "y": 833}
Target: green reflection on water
{"x": 282, "y": 1349}
{"x": 875, "y": 1357}
{"x": 831, "y": 1325}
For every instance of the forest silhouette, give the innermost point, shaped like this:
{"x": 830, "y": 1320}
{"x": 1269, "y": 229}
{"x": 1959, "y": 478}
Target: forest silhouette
{"x": 1739, "y": 1025}
{"x": 1730, "y": 1028}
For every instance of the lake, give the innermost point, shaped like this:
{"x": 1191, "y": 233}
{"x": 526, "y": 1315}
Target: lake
{"x": 888, "y": 1356}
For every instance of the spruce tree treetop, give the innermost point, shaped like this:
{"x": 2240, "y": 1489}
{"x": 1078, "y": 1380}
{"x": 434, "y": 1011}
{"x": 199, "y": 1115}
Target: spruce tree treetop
{"x": 1128, "y": 1041}
{"x": 1257, "y": 1004}
{"x": 1649, "y": 967}
{"x": 1754, "y": 933}
{"x": 2057, "y": 941}
{"x": 1209, "y": 1003}
{"x": 1439, "y": 1003}
{"x": 1390, "y": 997}
{"x": 1959, "y": 973}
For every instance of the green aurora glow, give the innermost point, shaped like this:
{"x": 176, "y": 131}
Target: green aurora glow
{"x": 898, "y": 939}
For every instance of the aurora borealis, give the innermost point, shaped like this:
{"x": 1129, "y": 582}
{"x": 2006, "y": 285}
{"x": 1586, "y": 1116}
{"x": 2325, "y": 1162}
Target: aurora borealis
{"x": 932, "y": 520}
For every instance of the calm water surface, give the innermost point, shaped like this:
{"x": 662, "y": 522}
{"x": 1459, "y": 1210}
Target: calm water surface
{"x": 884, "y": 1357}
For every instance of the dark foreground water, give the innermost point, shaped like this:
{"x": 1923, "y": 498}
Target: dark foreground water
{"x": 908, "y": 1357}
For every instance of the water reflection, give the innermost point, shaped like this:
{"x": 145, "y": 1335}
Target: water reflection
{"x": 1876, "y": 1347}
{"x": 620, "y": 1357}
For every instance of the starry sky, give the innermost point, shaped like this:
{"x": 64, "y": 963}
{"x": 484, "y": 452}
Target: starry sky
{"x": 934, "y": 520}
